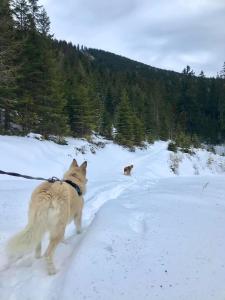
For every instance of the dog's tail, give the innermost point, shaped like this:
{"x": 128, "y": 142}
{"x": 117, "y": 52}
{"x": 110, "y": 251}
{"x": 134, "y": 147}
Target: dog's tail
{"x": 26, "y": 240}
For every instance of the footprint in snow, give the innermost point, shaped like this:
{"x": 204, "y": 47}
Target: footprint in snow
{"x": 137, "y": 222}
{"x": 129, "y": 205}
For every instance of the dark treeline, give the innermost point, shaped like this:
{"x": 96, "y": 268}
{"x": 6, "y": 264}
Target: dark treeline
{"x": 55, "y": 88}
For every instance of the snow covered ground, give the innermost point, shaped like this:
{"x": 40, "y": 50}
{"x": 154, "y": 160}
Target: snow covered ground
{"x": 153, "y": 235}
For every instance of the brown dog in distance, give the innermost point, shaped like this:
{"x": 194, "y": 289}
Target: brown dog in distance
{"x": 127, "y": 170}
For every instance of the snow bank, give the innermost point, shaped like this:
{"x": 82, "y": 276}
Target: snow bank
{"x": 28, "y": 155}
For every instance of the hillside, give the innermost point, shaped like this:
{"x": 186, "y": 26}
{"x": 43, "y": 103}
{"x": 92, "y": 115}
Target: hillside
{"x": 116, "y": 62}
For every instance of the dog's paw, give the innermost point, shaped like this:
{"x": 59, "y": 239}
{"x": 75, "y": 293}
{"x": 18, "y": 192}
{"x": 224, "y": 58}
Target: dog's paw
{"x": 52, "y": 271}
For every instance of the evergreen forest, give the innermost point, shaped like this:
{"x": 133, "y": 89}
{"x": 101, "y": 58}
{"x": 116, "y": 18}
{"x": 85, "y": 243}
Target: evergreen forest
{"x": 56, "y": 88}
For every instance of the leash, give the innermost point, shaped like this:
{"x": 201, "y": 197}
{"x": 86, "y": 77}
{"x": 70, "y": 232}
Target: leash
{"x": 51, "y": 180}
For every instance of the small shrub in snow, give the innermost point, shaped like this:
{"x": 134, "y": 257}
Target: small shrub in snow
{"x": 222, "y": 166}
{"x": 36, "y": 136}
{"x": 131, "y": 149}
{"x": 81, "y": 150}
{"x": 62, "y": 142}
{"x": 92, "y": 149}
{"x": 99, "y": 144}
{"x": 150, "y": 139}
{"x": 196, "y": 170}
{"x": 210, "y": 161}
{"x": 186, "y": 143}
{"x": 195, "y": 141}
{"x": 57, "y": 139}
{"x": 143, "y": 147}
{"x": 187, "y": 150}
{"x": 175, "y": 160}
{"x": 183, "y": 141}
{"x": 172, "y": 147}
{"x": 211, "y": 148}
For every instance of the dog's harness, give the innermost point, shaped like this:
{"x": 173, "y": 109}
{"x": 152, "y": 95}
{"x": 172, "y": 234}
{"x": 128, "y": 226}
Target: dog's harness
{"x": 51, "y": 180}
{"x": 75, "y": 186}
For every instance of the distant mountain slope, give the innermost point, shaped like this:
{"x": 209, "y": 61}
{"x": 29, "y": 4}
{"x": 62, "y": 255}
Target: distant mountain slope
{"x": 116, "y": 62}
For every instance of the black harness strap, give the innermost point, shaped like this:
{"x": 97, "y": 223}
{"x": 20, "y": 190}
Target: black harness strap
{"x": 75, "y": 186}
{"x": 51, "y": 180}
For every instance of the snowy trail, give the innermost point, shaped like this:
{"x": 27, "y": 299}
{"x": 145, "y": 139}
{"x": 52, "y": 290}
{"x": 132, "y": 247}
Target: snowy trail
{"x": 122, "y": 247}
{"x": 28, "y": 272}
{"x": 167, "y": 243}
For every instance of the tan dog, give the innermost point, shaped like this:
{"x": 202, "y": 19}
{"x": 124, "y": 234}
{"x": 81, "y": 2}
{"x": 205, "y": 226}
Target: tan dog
{"x": 127, "y": 170}
{"x": 52, "y": 207}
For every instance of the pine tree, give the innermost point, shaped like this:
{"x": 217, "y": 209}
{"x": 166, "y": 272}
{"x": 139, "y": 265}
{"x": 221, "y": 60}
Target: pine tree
{"x": 202, "y": 75}
{"x": 222, "y": 72}
{"x": 96, "y": 104}
{"x": 188, "y": 72}
{"x": 138, "y": 131}
{"x": 80, "y": 114}
{"x": 106, "y": 125}
{"x": 50, "y": 101}
{"x": 220, "y": 95}
{"x": 42, "y": 105}
{"x": 20, "y": 10}
{"x": 43, "y": 23}
{"x": 124, "y": 122}
{"x": 187, "y": 106}
{"x": 202, "y": 97}
{"x": 8, "y": 69}
{"x": 34, "y": 9}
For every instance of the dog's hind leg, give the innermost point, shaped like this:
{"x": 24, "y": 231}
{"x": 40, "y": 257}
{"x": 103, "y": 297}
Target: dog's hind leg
{"x": 38, "y": 250}
{"x": 54, "y": 241}
{"x": 77, "y": 221}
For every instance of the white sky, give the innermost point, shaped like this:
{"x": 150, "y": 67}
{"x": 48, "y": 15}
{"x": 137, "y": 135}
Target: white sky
{"x": 163, "y": 33}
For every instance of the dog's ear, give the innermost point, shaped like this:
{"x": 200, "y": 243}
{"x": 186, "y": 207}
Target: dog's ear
{"x": 83, "y": 166}
{"x": 73, "y": 164}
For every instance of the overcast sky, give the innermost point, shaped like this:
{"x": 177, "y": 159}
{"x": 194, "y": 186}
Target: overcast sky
{"x": 168, "y": 34}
